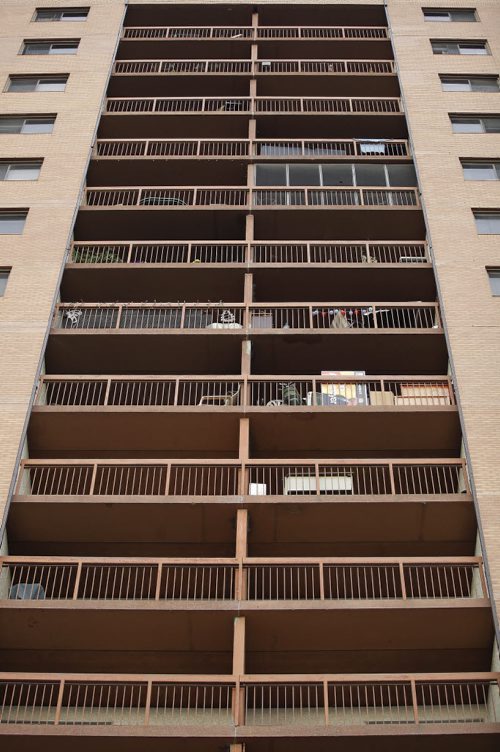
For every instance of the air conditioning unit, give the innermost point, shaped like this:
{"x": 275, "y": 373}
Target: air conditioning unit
{"x": 332, "y": 484}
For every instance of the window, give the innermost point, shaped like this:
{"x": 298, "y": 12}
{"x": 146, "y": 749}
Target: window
{"x": 27, "y": 124}
{"x": 465, "y": 47}
{"x": 20, "y": 170}
{"x": 479, "y": 124}
{"x": 487, "y": 222}
{"x": 4, "y": 276}
{"x": 12, "y": 222}
{"x": 470, "y": 83}
{"x": 443, "y": 15}
{"x": 494, "y": 279}
{"x": 37, "y": 83}
{"x": 481, "y": 170}
{"x": 56, "y": 47}
{"x": 61, "y": 14}
{"x": 392, "y": 175}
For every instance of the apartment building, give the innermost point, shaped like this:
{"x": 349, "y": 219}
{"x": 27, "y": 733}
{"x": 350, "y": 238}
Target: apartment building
{"x": 249, "y": 281}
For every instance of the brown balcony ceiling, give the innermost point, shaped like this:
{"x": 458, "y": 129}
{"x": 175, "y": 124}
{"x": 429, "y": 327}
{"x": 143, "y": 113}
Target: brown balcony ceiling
{"x": 188, "y": 507}
{"x": 143, "y": 415}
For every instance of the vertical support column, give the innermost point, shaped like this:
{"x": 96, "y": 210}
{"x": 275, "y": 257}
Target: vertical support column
{"x": 239, "y": 670}
{"x": 241, "y": 553}
{"x": 244, "y": 452}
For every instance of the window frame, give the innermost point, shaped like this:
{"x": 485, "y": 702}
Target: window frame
{"x": 71, "y": 45}
{"x": 493, "y": 272}
{"x": 13, "y": 213}
{"x": 60, "y": 12}
{"x": 4, "y": 279}
{"x": 61, "y": 77}
{"x": 448, "y": 78}
{"x": 461, "y": 44}
{"x": 12, "y": 164}
{"x": 428, "y": 12}
{"x": 476, "y": 164}
{"x": 456, "y": 119}
{"x": 483, "y": 214}
{"x": 354, "y": 179}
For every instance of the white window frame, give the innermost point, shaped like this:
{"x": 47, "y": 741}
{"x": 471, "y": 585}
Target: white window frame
{"x": 484, "y": 214}
{"x": 60, "y": 13}
{"x": 39, "y": 80}
{"x": 493, "y": 165}
{"x": 11, "y": 169}
{"x": 54, "y": 47}
{"x": 448, "y": 79}
{"x": 13, "y": 213}
{"x": 460, "y": 47}
{"x": 446, "y": 15}
{"x": 479, "y": 118}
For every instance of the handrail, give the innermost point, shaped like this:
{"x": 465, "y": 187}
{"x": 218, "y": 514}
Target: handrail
{"x": 151, "y": 33}
{"x": 284, "y": 392}
{"x": 254, "y": 105}
{"x": 169, "y": 66}
{"x": 307, "y": 479}
{"x": 304, "y": 253}
{"x": 182, "y": 197}
{"x": 42, "y": 579}
{"x": 365, "y": 701}
{"x": 324, "y": 149}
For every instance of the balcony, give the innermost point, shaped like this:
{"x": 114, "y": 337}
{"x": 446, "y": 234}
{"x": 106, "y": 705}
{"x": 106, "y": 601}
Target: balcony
{"x": 360, "y": 607}
{"x": 106, "y": 212}
{"x": 195, "y": 271}
{"x": 151, "y": 77}
{"x": 358, "y": 708}
{"x": 195, "y": 414}
{"x": 276, "y": 149}
{"x": 235, "y": 41}
{"x": 374, "y": 337}
{"x": 227, "y": 116}
{"x": 185, "y": 507}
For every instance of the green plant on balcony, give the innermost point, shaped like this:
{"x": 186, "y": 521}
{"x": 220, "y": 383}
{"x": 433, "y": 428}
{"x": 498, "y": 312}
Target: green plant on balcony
{"x": 101, "y": 256}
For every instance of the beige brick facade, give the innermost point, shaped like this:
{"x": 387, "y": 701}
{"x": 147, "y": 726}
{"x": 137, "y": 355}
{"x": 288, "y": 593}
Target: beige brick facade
{"x": 37, "y": 255}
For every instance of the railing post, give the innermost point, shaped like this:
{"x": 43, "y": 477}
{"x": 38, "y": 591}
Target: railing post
{"x": 107, "y": 391}
{"x": 167, "y": 479}
{"x": 77, "y": 580}
{"x": 321, "y": 581}
{"x": 392, "y": 479}
{"x": 119, "y": 316}
{"x": 402, "y": 580}
{"x": 57, "y": 716}
{"x": 176, "y": 392}
{"x": 326, "y": 707}
{"x": 129, "y": 253}
{"x": 20, "y": 477}
{"x": 158, "y": 581}
{"x": 414, "y": 700}
{"x": 482, "y": 578}
{"x": 93, "y": 479}
{"x": 147, "y": 704}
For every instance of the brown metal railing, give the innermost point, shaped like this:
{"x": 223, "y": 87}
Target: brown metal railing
{"x": 280, "y": 701}
{"x": 332, "y": 317}
{"x": 259, "y": 32}
{"x": 307, "y": 479}
{"x": 251, "y": 67}
{"x": 164, "y": 197}
{"x": 254, "y": 105}
{"x": 264, "y": 149}
{"x": 326, "y": 579}
{"x": 171, "y": 252}
{"x": 283, "y": 392}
